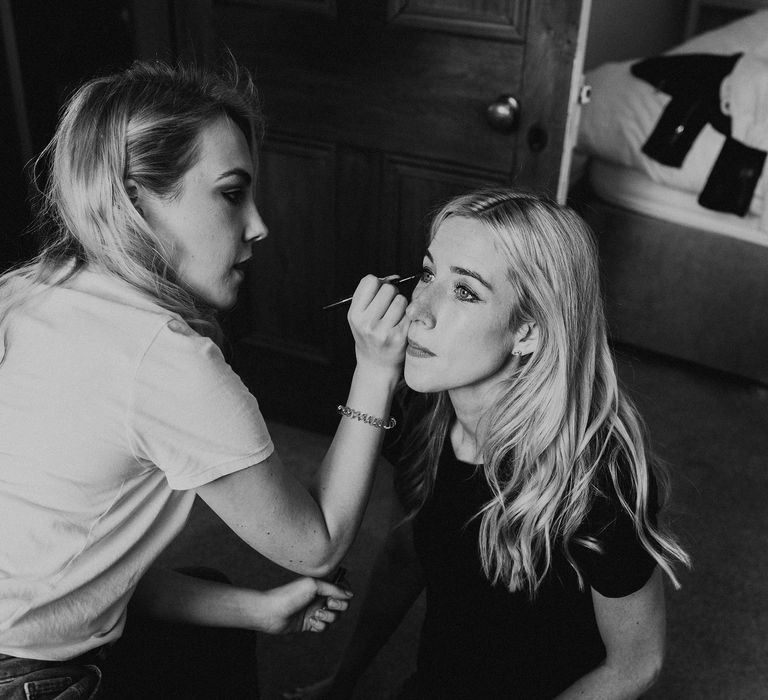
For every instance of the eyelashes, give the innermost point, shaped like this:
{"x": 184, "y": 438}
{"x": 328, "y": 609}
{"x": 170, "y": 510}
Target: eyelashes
{"x": 464, "y": 293}
{"x": 234, "y": 196}
{"x": 460, "y": 289}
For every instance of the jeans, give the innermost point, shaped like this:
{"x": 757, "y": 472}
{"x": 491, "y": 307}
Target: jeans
{"x": 30, "y": 679}
{"x": 151, "y": 660}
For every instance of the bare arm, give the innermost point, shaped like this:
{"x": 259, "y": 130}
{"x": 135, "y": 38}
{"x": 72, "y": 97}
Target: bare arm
{"x": 294, "y": 607}
{"x": 633, "y": 631}
{"x": 310, "y": 531}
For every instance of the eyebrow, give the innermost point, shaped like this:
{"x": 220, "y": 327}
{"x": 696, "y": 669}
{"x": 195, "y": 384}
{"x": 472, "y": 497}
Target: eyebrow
{"x": 240, "y": 172}
{"x": 466, "y": 272}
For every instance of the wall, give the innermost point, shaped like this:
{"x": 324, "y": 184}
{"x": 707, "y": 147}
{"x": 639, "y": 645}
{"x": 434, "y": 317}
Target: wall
{"x": 624, "y": 29}
{"x": 57, "y": 45}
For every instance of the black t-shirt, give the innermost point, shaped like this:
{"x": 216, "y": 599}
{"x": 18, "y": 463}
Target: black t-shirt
{"x": 481, "y": 641}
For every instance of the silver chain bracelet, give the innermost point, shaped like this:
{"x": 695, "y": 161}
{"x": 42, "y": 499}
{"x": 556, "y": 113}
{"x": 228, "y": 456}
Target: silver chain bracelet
{"x": 365, "y": 418}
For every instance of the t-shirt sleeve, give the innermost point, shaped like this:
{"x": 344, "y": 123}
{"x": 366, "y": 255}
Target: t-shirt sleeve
{"x": 624, "y": 565}
{"x": 190, "y": 414}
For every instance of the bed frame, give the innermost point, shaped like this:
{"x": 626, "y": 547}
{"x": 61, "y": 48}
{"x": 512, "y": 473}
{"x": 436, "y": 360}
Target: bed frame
{"x": 683, "y": 292}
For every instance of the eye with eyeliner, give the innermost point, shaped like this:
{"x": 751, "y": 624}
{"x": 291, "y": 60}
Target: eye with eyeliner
{"x": 461, "y": 290}
{"x": 234, "y": 196}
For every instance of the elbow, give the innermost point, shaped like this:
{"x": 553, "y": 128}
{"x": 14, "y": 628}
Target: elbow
{"x": 322, "y": 564}
{"x": 638, "y": 674}
{"x": 649, "y": 671}
{"x": 654, "y": 671}
{"x": 322, "y": 570}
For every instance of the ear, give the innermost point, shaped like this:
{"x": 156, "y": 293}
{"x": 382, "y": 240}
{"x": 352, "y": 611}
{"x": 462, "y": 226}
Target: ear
{"x": 526, "y": 339}
{"x": 133, "y": 190}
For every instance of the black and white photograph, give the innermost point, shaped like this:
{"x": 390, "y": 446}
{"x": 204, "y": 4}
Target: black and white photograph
{"x": 384, "y": 349}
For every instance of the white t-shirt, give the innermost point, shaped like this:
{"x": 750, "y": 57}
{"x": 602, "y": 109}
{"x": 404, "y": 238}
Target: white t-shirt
{"x": 112, "y": 411}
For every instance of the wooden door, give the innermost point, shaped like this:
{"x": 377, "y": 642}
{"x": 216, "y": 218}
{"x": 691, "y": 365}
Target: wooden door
{"x": 377, "y": 112}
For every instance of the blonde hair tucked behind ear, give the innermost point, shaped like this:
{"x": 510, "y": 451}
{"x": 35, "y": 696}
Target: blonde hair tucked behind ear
{"x": 562, "y": 425}
{"x": 142, "y": 124}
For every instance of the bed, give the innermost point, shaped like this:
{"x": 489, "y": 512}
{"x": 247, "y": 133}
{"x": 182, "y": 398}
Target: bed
{"x": 682, "y": 230}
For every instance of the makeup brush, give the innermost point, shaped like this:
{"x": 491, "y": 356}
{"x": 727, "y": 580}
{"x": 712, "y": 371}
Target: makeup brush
{"x": 392, "y": 279}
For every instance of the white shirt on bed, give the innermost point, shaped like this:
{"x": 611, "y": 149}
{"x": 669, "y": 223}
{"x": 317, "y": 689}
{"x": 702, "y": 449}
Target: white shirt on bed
{"x": 112, "y": 411}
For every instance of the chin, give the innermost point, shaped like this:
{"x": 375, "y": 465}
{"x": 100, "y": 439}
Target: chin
{"x": 418, "y": 382}
{"x": 224, "y": 300}
{"x": 227, "y": 302}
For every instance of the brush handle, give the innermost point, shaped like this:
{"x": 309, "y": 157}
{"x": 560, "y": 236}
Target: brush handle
{"x": 392, "y": 279}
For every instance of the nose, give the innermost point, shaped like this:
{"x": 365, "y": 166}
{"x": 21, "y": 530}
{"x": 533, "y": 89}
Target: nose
{"x": 421, "y": 308}
{"x": 255, "y": 228}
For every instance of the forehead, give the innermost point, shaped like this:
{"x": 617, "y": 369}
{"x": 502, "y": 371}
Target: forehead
{"x": 468, "y": 243}
{"x": 222, "y": 146}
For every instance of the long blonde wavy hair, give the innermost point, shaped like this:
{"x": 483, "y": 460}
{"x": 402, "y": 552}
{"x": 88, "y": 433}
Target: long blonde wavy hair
{"x": 561, "y": 424}
{"x": 142, "y": 123}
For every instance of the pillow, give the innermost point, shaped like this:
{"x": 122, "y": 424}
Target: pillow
{"x": 723, "y": 74}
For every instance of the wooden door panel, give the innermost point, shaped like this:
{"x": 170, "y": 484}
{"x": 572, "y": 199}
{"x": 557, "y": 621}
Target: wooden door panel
{"x": 359, "y": 243}
{"x": 414, "y": 190}
{"x": 296, "y": 188}
{"x": 323, "y": 7}
{"x": 380, "y": 87}
{"x": 502, "y": 19}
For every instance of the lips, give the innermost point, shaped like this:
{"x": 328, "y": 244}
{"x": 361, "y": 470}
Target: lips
{"x": 416, "y": 350}
{"x": 242, "y": 265}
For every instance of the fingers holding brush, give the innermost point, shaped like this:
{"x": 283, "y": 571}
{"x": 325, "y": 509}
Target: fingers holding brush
{"x": 373, "y": 297}
{"x": 377, "y": 319}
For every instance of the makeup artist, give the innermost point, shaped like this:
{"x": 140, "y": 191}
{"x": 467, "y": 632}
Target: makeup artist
{"x": 117, "y": 407}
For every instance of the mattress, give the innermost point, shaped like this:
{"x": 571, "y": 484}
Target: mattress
{"x": 632, "y": 189}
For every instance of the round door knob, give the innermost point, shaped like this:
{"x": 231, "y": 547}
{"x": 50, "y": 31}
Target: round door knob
{"x": 503, "y": 113}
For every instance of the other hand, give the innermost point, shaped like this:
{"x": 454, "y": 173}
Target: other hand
{"x": 303, "y": 605}
{"x": 378, "y": 322}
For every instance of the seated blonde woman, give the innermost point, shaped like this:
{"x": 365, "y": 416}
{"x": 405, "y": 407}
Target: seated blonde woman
{"x": 529, "y": 505}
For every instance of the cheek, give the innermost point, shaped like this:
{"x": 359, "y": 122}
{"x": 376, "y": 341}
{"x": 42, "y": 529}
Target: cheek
{"x": 491, "y": 337}
{"x": 484, "y": 350}
{"x": 208, "y": 250}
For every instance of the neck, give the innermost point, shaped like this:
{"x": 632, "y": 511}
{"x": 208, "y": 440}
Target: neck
{"x": 467, "y": 431}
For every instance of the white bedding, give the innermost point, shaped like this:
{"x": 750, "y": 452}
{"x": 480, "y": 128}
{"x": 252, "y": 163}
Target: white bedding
{"x": 636, "y": 191}
{"x": 624, "y": 111}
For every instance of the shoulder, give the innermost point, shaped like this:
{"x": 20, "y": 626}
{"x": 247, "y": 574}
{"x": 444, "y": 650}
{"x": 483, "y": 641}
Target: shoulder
{"x": 126, "y": 314}
{"x": 105, "y": 301}
{"x": 175, "y": 355}
{"x": 96, "y": 325}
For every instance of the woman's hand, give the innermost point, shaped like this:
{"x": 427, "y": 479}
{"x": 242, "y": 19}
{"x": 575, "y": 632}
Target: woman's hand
{"x": 303, "y": 605}
{"x": 378, "y": 322}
